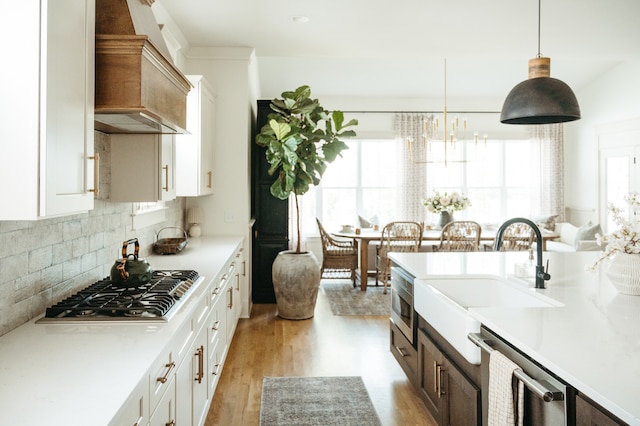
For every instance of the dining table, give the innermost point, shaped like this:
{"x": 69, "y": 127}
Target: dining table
{"x": 365, "y": 236}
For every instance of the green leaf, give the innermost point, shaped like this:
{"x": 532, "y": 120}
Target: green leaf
{"x": 280, "y": 130}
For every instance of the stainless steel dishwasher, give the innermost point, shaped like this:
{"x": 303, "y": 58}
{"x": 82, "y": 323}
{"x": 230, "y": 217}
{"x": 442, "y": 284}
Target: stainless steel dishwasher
{"x": 547, "y": 399}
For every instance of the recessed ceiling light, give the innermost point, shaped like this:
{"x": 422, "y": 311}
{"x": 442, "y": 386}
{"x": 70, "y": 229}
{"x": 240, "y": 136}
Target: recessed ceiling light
{"x": 300, "y": 19}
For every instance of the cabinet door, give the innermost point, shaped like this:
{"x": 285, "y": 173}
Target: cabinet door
{"x": 449, "y": 395}
{"x": 462, "y": 398}
{"x": 142, "y": 167}
{"x": 195, "y": 152}
{"x": 136, "y": 410}
{"x": 46, "y": 126}
{"x": 589, "y": 414}
{"x": 69, "y": 107}
{"x": 430, "y": 365}
{"x": 191, "y": 384}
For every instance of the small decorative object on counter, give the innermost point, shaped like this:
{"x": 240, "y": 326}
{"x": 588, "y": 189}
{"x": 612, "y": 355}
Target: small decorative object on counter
{"x": 170, "y": 245}
{"x": 194, "y": 217}
{"x": 623, "y": 248}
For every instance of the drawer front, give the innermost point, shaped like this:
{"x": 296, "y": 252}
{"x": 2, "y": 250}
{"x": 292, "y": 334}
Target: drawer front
{"x": 161, "y": 377}
{"x": 165, "y": 412}
{"x": 404, "y": 353}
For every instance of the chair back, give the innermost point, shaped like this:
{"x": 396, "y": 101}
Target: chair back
{"x": 460, "y": 235}
{"x": 401, "y": 237}
{"x": 518, "y": 236}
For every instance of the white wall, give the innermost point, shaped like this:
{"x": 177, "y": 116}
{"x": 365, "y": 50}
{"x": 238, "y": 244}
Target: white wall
{"x": 613, "y": 97}
{"x": 229, "y": 71}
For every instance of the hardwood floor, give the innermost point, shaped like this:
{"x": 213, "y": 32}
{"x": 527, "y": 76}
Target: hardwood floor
{"x": 325, "y": 345}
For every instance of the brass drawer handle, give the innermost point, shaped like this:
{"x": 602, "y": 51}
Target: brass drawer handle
{"x": 164, "y": 378}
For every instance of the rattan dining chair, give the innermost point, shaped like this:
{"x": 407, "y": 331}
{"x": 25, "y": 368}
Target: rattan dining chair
{"x": 516, "y": 237}
{"x": 339, "y": 257}
{"x": 396, "y": 237}
{"x": 460, "y": 235}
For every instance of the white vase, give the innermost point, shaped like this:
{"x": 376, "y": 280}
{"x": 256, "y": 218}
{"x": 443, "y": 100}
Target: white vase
{"x": 624, "y": 273}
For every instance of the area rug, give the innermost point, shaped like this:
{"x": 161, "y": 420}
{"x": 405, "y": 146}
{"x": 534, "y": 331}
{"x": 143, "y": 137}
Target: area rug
{"x": 311, "y": 401}
{"x": 346, "y": 300}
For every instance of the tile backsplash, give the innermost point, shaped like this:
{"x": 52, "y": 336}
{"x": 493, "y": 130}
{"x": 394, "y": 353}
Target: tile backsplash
{"x": 41, "y": 262}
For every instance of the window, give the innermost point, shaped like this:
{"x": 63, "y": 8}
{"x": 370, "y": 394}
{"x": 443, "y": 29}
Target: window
{"x": 362, "y": 182}
{"x": 499, "y": 177}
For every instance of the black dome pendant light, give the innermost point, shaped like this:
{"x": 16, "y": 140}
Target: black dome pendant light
{"x": 540, "y": 99}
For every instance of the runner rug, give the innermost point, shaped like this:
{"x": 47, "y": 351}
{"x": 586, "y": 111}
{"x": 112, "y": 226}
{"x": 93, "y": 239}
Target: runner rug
{"x": 346, "y": 300}
{"x": 316, "y": 401}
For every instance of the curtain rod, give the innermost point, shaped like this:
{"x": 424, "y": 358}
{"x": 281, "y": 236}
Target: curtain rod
{"x": 420, "y": 112}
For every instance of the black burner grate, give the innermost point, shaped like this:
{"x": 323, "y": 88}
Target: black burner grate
{"x": 105, "y": 299}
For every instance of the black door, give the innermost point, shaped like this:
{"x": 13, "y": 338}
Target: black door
{"x": 270, "y": 230}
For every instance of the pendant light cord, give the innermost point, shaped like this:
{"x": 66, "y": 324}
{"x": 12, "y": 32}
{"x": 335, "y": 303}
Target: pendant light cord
{"x": 539, "y": 14}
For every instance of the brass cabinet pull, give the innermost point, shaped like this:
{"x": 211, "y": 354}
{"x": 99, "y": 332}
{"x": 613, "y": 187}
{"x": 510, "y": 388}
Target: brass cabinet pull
{"x": 200, "y": 355}
{"x": 164, "y": 378}
{"x": 171, "y": 423}
{"x": 435, "y": 377}
{"x": 209, "y": 184}
{"x": 401, "y": 351}
{"x": 230, "y": 305}
{"x": 96, "y": 174}
{"x": 215, "y": 291}
{"x": 215, "y": 371}
{"x": 166, "y": 178}
{"x": 439, "y": 372}
{"x": 216, "y": 326}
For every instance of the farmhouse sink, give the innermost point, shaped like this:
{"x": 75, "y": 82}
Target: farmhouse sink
{"x": 445, "y": 304}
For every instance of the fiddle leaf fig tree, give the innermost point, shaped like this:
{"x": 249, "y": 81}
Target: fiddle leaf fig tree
{"x": 301, "y": 138}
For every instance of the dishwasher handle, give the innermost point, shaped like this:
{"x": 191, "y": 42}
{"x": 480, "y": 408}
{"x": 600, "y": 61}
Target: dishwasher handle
{"x": 543, "y": 389}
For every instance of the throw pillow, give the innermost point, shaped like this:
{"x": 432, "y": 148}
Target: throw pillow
{"x": 587, "y": 233}
{"x": 545, "y": 222}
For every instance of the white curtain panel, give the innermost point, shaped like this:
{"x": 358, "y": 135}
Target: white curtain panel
{"x": 550, "y": 138}
{"x": 412, "y": 182}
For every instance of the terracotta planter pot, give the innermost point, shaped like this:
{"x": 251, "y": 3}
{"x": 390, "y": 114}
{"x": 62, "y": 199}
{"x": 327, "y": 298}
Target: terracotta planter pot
{"x": 296, "y": 279}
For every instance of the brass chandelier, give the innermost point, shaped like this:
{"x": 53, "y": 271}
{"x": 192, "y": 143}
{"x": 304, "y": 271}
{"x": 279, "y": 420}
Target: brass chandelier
{"x": 446, "y": 134}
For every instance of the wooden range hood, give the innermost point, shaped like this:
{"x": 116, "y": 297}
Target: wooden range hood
{"x": 137, "y": 87}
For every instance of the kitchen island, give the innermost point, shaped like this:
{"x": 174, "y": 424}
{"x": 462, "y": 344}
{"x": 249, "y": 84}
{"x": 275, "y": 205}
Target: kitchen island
{"x": 591, "y": 341}
{"x": 84, "y": 373}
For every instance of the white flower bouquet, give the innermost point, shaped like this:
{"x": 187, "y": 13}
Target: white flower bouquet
{"x": 453, "y": 202}
{"x": 625, "y": 239}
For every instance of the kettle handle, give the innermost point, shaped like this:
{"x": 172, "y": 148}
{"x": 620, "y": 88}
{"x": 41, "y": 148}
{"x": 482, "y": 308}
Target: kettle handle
{"x": 125, "y": 246}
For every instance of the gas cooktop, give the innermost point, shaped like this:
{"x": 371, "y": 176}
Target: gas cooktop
{"x": 104, "y": 300}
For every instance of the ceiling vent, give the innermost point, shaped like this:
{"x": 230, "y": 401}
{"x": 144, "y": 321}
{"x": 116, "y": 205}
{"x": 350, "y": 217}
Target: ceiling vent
{"x": 138, "y": 89}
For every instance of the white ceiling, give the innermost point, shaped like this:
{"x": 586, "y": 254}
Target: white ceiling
{"x": 383, "y": 48}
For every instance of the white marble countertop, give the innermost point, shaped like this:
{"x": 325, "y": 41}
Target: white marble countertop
{"x": 82, "y": 373}
{"x": 592, "y": 342}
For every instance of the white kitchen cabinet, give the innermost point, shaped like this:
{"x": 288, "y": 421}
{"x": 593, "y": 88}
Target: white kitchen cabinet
{"x": 191, "y": 384}
{"x": 136, "y": 410}
{"x": 142, "y": 167}
{"x": 217, "y": 342}
{"x": 46, "y": 127}
{"x": 195, "y": 151}
{"x": 165, "y": 412}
